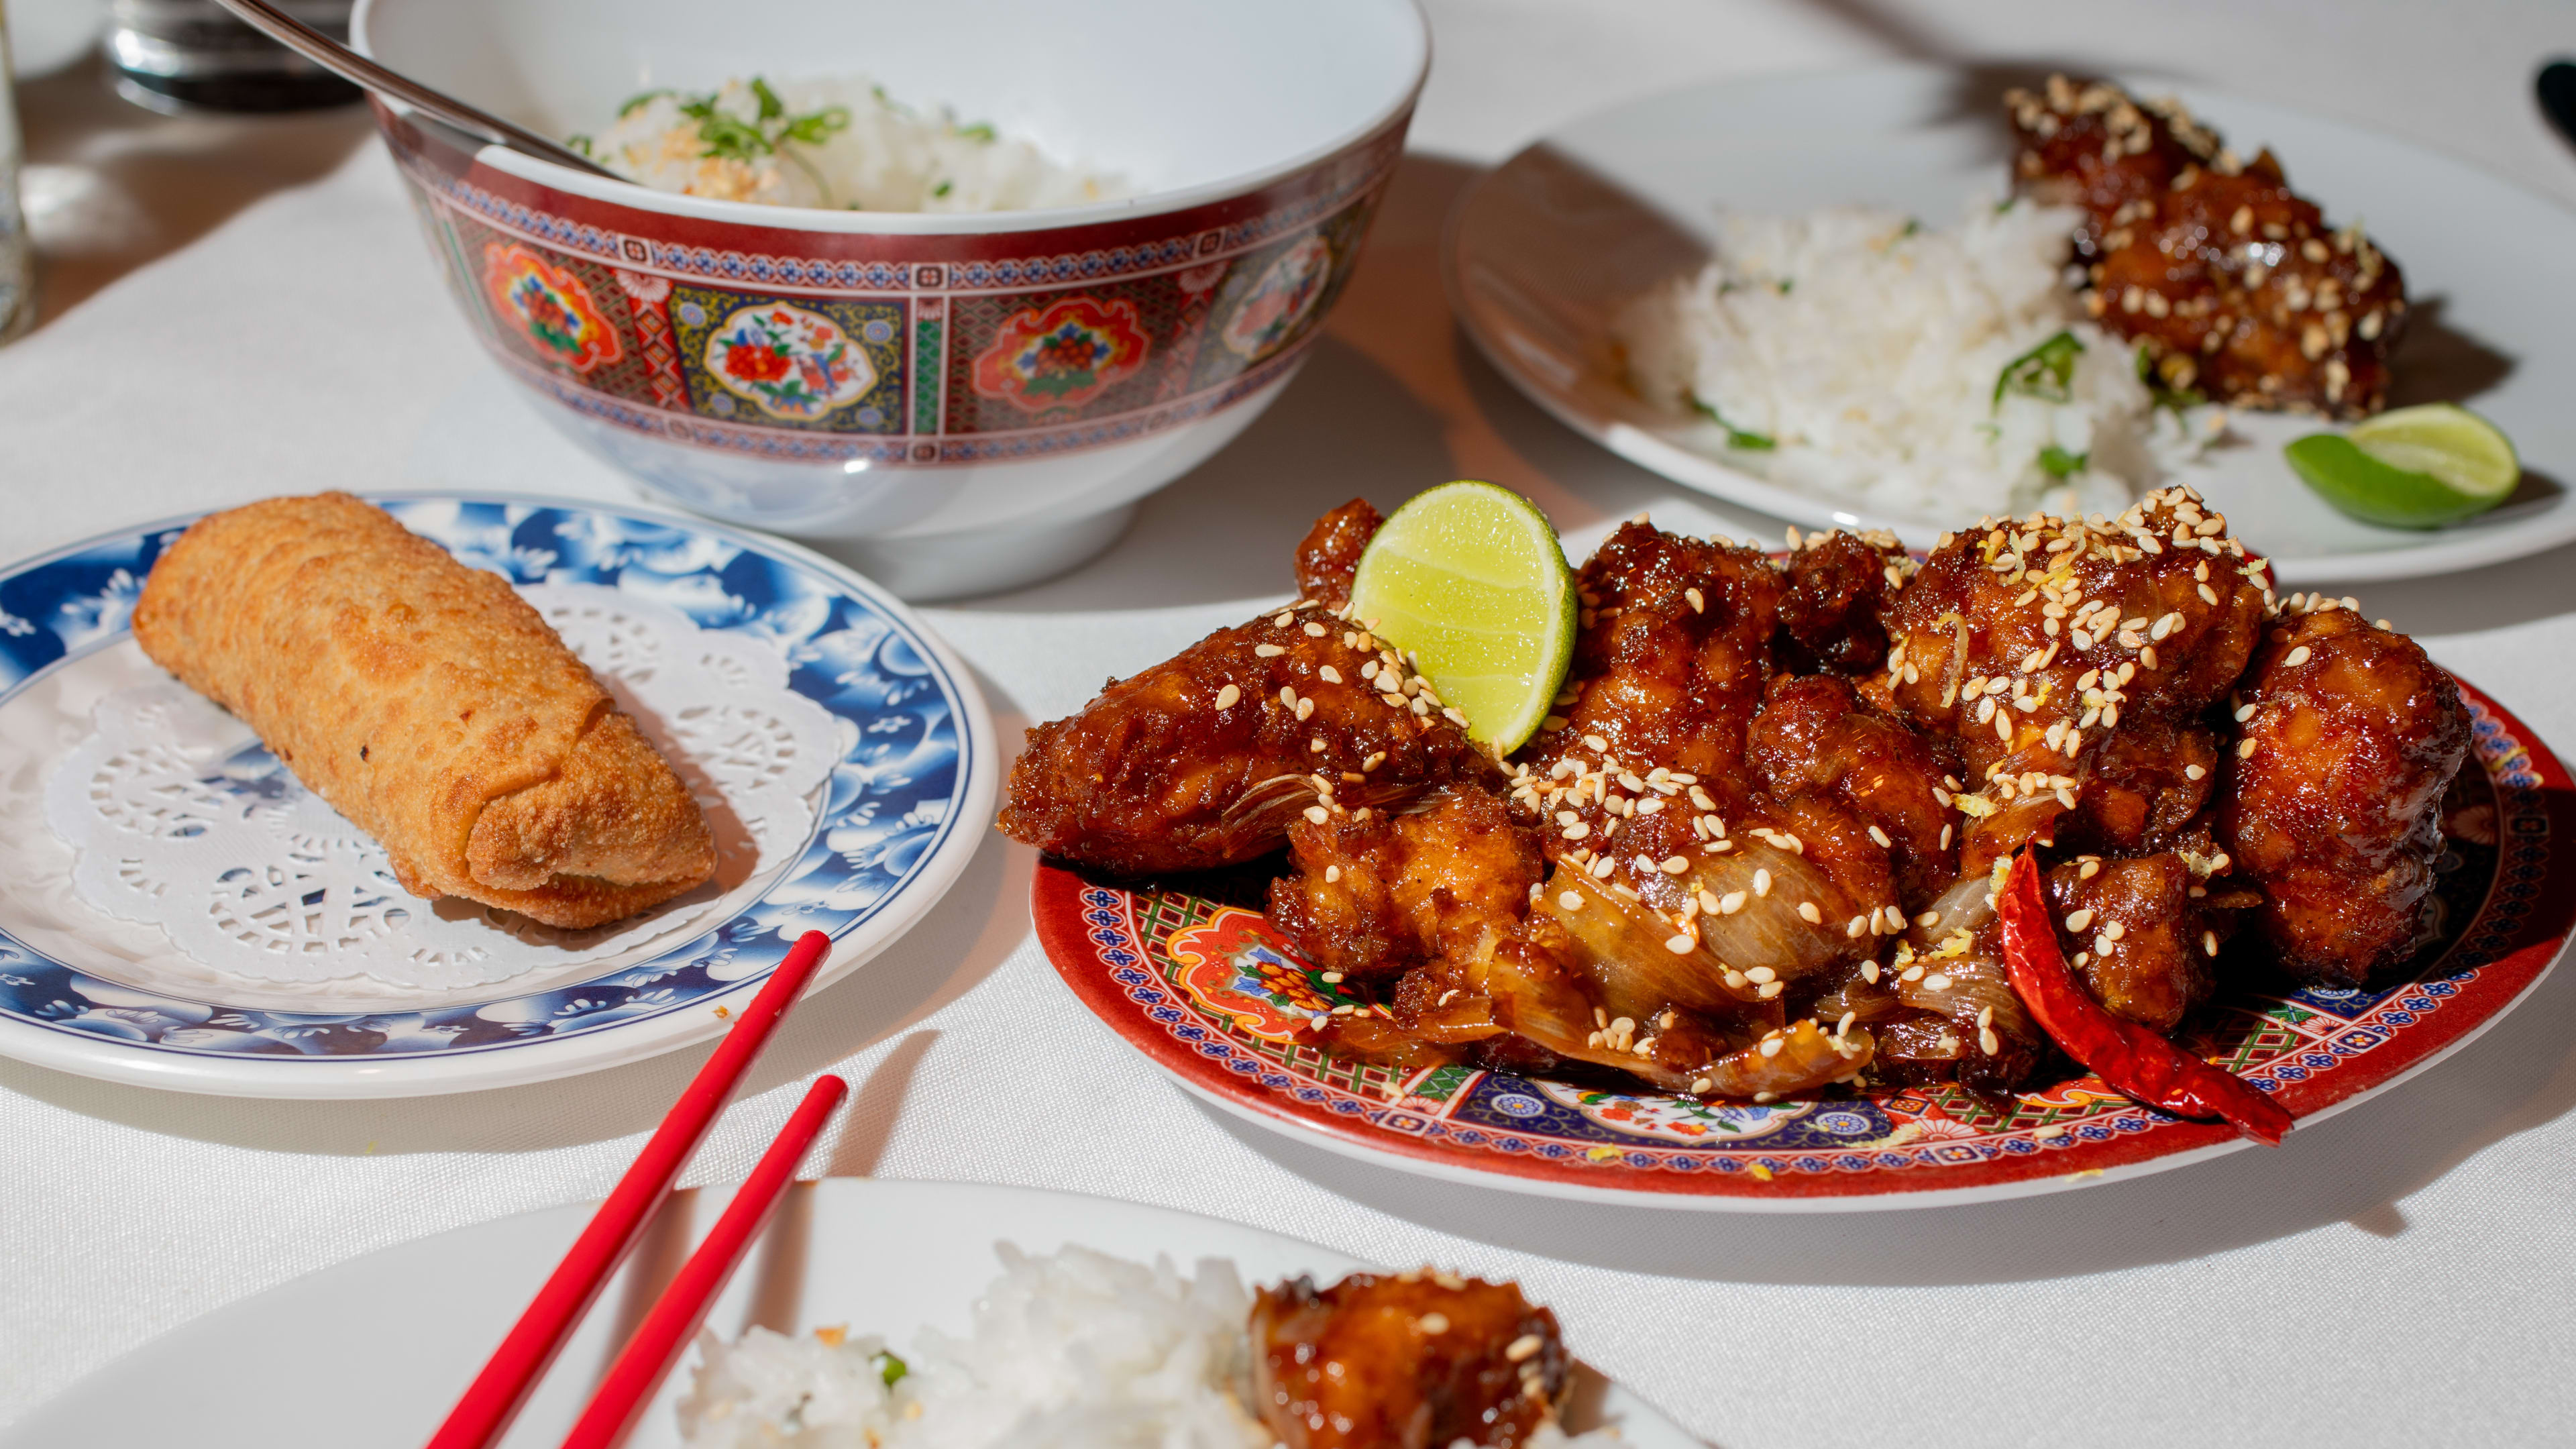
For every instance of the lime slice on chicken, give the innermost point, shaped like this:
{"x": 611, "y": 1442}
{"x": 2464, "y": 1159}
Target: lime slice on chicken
{"x": 1470, "y": 581}
{"x": 2418, "y": 467}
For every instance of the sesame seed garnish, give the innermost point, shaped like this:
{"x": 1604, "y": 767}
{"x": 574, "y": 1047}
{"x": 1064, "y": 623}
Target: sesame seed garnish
{"x": 2078, "y": 921}
{"x": 1332, "y": 873}
{"x": 1329, "y": 675}
{"x": 1318, "y": 814}
{"x": 1529, "y": 1343}
{"x": 1807, "y": 912}
{"x": 1432, "y": 1323}
{"x": 1314, "y": 630}
{"x": 1761, "y": 882}
{"x": 2296, "y": 657}
{"x": 1226, "y": 697}
{"x": 1680, "y": 945}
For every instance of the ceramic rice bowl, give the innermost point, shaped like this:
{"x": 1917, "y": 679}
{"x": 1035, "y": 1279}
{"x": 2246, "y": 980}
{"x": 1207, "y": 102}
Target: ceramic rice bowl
{"x": 1005, "y": 385}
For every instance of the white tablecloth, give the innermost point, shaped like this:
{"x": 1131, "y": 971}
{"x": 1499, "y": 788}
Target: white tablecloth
{"x": 250, "y": 313}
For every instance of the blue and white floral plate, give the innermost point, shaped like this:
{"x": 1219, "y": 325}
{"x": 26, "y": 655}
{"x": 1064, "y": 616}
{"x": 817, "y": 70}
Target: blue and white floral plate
{"x": 897, "y": 821}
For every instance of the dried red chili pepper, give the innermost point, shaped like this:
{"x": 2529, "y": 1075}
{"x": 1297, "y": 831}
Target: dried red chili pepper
{"x": 2123, "y": 1054}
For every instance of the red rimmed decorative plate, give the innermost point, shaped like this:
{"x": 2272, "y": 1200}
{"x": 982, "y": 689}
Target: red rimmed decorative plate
{"x": 1204, "y": 987}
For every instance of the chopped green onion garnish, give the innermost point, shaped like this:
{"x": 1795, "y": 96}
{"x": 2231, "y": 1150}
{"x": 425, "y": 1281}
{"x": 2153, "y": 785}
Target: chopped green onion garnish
{"x": 2046, "y": 372}
{"x": 1735, "y": 437}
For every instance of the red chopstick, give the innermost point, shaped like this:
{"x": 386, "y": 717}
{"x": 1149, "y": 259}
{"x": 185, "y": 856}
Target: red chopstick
{"x": 648, "y": 1356}
{"x": 493, "y": 1399}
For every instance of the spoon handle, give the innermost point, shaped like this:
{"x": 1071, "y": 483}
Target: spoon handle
{"x": 340, "y": 60}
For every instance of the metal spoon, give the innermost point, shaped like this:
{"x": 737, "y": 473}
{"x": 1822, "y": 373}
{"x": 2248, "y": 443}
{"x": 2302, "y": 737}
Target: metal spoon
{"x": 340, "y": 60}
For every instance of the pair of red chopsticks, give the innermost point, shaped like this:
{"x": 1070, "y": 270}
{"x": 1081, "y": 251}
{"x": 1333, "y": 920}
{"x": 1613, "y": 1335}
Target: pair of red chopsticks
{"x": 493, "y": 1400}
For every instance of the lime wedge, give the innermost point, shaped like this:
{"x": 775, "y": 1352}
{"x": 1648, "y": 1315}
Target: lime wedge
{"x": 2418, "y": 467}
{"x": 1469, "y": 579}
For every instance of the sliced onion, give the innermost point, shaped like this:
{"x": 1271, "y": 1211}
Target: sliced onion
{"x": 1800, "y": 1058}
{"x": 1858, "y": 997}
{"x": 1963, "y": 989}
{"x": 1624, "y": 952}
{"x": 1968, "y": 904}
{"x": 1767, "y": 929}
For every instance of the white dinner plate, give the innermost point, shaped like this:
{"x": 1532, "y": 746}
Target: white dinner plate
{"x": 893, "y": 823}
{"x": 1544, "y": 249}
{"x": 370, "y": 1353}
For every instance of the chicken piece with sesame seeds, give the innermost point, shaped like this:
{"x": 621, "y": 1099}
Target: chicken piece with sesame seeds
{"x": 2145, "y": 945}
{"x": 2232, "y": 283}
{"x": 1816, "y": 738}
{"x": 2332, "y": 799}
{"x": 1838, "y": 585}
{"x": 1376, "y": 897}
{"x": 1205, "y": 759}
{"x": 1413, "y": 1360}
{"x": 2032, "y": 642}
{"x": 2147, "y": 787}
{"x": 1328, "y": 558}
{"x": 1673, "y": 653}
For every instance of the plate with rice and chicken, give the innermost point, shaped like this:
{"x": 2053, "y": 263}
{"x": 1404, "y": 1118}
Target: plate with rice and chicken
{"x": 1904, "y": 297}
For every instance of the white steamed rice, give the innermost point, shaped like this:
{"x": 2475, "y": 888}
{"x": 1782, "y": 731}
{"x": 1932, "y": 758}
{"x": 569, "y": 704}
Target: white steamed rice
{"x": 857, "y": 150}
{"x": 1078, "y": 1350}
{"x": 1867, "y": 348}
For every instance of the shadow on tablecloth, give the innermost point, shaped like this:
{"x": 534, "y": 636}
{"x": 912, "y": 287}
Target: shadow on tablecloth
{"x": 110, "y": 187}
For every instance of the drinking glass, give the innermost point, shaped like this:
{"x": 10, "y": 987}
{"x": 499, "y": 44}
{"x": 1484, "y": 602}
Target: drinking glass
{"x": 180, "y": 55}
{"x": 15, "y": 302}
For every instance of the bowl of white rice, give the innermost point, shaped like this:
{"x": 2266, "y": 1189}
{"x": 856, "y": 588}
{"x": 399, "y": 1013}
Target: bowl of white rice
{"x": 942, "y": 289}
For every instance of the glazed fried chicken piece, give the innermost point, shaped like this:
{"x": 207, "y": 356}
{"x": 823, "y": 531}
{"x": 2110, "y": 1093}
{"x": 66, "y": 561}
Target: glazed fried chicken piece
{"x": 2033, "y": 643}
{"x": 1329, "y": 555}
{"x": 1815, "y": 738}
{"x": 1686, "y": 904}
{"x": 1203, "y": 760}
{"x": 2232, "y": 282}
{"x": 2332, "y": 801}
{"x": 1643, "y": 785}
{"x": 1838, "y": 585}
{"x": 1414, "y": 1360}
{"x": 1673, "y": 654}
{"x": 1380, "y": 895}
{"x": 2144, "y": 944}
{"x": 2146, "y": 787}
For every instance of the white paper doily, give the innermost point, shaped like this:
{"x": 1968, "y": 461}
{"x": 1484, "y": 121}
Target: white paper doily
{"x": 181, "y": 819}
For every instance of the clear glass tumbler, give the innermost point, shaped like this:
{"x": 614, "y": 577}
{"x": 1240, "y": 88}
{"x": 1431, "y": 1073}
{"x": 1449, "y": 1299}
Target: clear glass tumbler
{"x": 183, "y": 55}
{"x": 17, "y": 302}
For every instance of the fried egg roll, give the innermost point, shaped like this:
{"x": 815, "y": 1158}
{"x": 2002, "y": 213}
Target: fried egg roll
{"x": 428, "y": 703}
